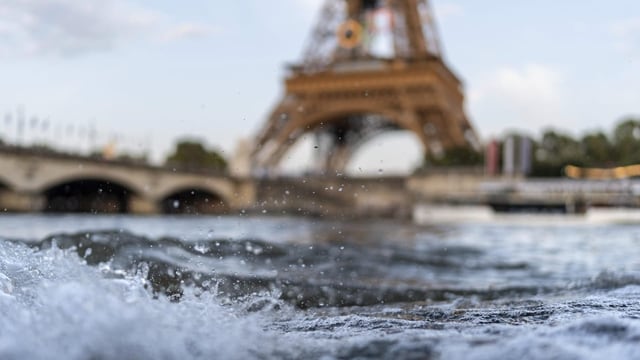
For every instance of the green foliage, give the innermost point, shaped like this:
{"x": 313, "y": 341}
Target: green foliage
{"x": 626, "y": 139}
{"x": 192, "y": 155}
{"x": 595, "y": 149}
{"x": 132, "y": 158}
{"x": 554, "y": 150}
{"x": 43, "y": 149}
{"x": 557, "y": 148}
{"x": 458, "y": 156}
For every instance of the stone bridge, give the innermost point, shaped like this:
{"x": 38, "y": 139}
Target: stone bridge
{"x": 32, "y": 181}
{"x": 46, "y": 182}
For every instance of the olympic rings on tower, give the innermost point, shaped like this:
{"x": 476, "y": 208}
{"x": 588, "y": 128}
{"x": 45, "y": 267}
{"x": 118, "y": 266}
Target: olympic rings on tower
{"x": 350, "y": 34}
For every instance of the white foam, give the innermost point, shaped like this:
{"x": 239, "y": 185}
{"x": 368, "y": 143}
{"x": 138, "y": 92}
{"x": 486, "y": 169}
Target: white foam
{"x": 594, "y": 337}
{"x": 61, "y": 308}
{"x": 52, "y": 305}
{"x": 6, "y": 285}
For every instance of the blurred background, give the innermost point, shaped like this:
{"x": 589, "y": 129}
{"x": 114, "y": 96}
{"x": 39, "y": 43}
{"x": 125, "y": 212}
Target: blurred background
{"x": 129, "y": 78}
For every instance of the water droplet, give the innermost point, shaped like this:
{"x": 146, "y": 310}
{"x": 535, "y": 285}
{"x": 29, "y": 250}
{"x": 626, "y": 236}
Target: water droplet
{"x": 6, "y": 285}
{"x": 201, "y": 248}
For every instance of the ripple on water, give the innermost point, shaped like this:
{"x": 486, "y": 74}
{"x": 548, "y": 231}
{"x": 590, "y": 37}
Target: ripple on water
{"x": 114, "y": 294}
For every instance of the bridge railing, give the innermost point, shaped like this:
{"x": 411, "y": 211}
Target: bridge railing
{"x": 53, "y": 154}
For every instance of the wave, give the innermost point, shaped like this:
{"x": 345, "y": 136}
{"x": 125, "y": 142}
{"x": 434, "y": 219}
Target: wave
{"x": 307, "y": 276}
{"x": 114, "y": 294}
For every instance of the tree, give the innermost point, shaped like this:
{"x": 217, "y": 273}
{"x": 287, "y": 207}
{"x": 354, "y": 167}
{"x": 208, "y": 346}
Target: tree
{"x": 133, "y": 158}
{"x": 626, "y": 141}
{"x": 560, "y": 148}
{"x": 597, "y": 150}
{"x": 457, "y": 156}
{"x": 192, "y": 154}
{"x": 553, "y": 152}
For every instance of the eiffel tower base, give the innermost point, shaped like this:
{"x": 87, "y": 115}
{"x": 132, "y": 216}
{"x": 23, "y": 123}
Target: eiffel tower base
{"x": 347, "y": 108}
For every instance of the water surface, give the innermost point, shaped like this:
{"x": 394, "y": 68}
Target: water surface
{"x": 87, "y": 287}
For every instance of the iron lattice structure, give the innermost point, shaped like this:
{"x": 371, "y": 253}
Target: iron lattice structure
{"x": 371, "y": 66}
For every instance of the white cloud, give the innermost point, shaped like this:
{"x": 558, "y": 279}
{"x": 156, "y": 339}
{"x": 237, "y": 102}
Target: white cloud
{"x": 72, "y": 27}
{"x": 526, "y": 98}
{"x": 67, "y": 27}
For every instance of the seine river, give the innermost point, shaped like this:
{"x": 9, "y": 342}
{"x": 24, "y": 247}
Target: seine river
{"x": 89, "y": 287}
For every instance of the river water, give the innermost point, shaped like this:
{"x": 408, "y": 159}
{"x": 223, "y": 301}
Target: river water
{"x": 90, "y": 287}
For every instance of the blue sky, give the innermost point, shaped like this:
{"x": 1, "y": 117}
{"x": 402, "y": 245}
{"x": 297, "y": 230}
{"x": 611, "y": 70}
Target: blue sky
{"x": 149, "y": 71}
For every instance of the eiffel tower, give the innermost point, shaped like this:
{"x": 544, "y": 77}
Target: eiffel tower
{"x": 372, "y": 66}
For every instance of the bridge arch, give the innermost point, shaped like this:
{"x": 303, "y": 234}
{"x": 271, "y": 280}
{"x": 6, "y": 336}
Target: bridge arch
{"x": 66, "y": 173}
{"x": 5, "y": 183}
{"x": 385, "y": 154}
{"x": 87, "y": 195}
{"x": 193, "y": 201}
{"x": 388, "y": 119}
{"x": 312, "y": 122}
{"x": 221, "y": 188}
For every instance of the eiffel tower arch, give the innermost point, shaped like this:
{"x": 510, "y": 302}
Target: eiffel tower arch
{"x": 372, "y": 66}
